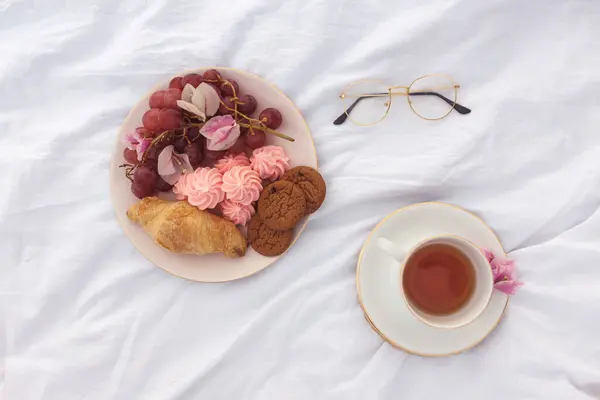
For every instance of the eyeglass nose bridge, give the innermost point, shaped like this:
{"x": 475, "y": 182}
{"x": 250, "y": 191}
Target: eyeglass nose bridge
{"x": 402, "y": 92}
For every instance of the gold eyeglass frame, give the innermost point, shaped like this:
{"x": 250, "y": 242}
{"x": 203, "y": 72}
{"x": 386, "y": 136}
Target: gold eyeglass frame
{"x": 405, "y": 91}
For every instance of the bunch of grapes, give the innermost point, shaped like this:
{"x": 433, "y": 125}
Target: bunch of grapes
{"x": 167, "y": 124}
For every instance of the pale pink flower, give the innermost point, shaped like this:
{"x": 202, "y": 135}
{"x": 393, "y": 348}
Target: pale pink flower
{"x": 137, "y": 142}
{"x": 202, "y": 101}
{"x": 488, "y": 254}
{"x": 222, "y": 132}
{"x": 171, "y": 165}
{"x": 503, "y": 270}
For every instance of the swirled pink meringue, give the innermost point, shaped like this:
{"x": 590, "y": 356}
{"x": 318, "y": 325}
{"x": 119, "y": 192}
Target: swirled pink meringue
{"x": 237, "y": 213}
{"x": 226, "y": 163}
{"x": 180, "y": 187}
{"x": 270, "y": 162}
{"x": 203, "y": 188}
{"x": 242, "y": 185}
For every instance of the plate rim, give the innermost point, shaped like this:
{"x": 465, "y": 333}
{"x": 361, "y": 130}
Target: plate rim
{"x": 113, "y": 163}
{"x": 360, "y": 297}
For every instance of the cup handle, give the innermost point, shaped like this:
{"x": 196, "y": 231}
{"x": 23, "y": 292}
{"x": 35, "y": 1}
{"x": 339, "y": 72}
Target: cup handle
{"x": 391, "y": 249}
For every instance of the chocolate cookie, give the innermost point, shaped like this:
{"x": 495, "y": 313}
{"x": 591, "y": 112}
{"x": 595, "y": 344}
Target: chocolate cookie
{"x": 311, "y": 183}
{"x": 267, "y": 241}
{"x": 281, "y": 205}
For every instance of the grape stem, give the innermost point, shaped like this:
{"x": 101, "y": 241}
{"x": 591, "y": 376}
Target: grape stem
{"x": 128, "y": 171}
{"x": 261, "y": 125}
{"x": 267, "y": 130}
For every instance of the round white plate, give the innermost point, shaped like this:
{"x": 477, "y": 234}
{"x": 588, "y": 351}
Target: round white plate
{"x": 378, "y": 291}
{"x": 214, "y": 267}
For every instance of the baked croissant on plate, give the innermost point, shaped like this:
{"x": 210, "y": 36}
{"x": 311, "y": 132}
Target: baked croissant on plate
{"x": 182, "y": 228}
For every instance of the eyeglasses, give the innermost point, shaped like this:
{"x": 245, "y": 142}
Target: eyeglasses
{"x": 431, "y": 97}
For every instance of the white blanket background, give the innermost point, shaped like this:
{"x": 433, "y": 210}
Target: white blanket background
{"x": 85, "y": 316}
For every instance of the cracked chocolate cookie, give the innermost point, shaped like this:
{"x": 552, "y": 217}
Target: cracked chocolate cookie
{"x": 311, "y": 183}
{"x": 267, "y": 241}
{"x": 281, "y": 205}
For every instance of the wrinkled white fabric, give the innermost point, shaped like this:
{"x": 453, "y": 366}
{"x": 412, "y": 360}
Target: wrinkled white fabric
{"x": 85, "y": 316}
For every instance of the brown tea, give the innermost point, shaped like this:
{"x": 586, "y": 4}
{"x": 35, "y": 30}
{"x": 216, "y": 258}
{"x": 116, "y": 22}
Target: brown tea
{"x": 438, "y": 279}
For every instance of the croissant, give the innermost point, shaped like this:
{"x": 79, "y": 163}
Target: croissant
{"x": 182, "y": 228}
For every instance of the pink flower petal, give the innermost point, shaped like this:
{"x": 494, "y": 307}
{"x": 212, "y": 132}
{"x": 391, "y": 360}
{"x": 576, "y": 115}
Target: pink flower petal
{"x": 183, "y": 161}
{"x": 130, "y": 141}
{"x": 165, "y": 161}
{"x": 222, "y": 132}
{"x": 191, "y": 108}
{"x": 488, "y": 254}
{"x": 187, "y": 93}
{"x": 171, "y": 165}
{"x": 142, "y": 147}
{"x": 508, "y": 287}
{"x": 206, "y": 99}
{"x": 503, "y": 268}
{"x": 504, "y": 272}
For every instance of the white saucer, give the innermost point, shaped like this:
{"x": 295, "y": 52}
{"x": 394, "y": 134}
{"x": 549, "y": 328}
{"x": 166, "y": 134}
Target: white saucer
{"x": 377, "y": 286}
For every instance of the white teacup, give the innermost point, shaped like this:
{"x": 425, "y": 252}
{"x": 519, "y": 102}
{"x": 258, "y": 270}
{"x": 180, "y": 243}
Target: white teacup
{"x": 482, "y": 292}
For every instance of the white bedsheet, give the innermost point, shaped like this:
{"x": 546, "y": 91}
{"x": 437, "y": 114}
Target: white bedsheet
{"x": 85, "y": 316}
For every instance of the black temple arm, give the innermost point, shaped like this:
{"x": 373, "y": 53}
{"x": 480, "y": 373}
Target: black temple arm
{"x": 342, "y": 118}
{"x": 461, "y": 109}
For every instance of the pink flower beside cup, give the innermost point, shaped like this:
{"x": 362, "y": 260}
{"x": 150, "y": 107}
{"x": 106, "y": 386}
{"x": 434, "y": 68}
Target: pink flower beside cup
{"x": 503, "y": 270}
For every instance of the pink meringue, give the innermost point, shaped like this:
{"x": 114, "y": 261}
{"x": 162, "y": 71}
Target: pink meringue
{"x": 203, "y": 188}
{"x": 226, "y": 163}
{"x": 180, "y": 187}
{"x": 270, "y": 162}
{"x": 237, "y": 213}
{"x": 242, "y": 185}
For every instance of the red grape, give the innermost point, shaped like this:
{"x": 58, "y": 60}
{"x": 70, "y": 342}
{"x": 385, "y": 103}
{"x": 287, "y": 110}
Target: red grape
{"x": 223, "y": 110}
{"x": 146, "y": 176}
{"x": 227, "y": 90}
{"x": 150, "y": 120}
{"x": 170, "y": 98}
{"x": 216, "y": 87}
{"x": 211, "y": 155}
{"x": 140, "y": 191}
{"x": 180, "y": 144}
{"x": 212, "y": 76}
{"x": 271, "y": 117}
{"x": 162, "y": 186}
{"x": 193, "y": 133}
{"x": 130, "y": 156}
{"x": 169, "y": 118}
{"x": 140, "y": 130}
{"x": 192, "y": 79}
{"x": 157, "y": 99}
{"x": 151, "y": 157}
{"x": 238, "y": 147}
{"x": 144, "y": 182}
{"x": 255, "y": 139}
{"x": 194, "y": 153}
{"x": 176, "y": 83}
{"x": 247, "y": 104}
